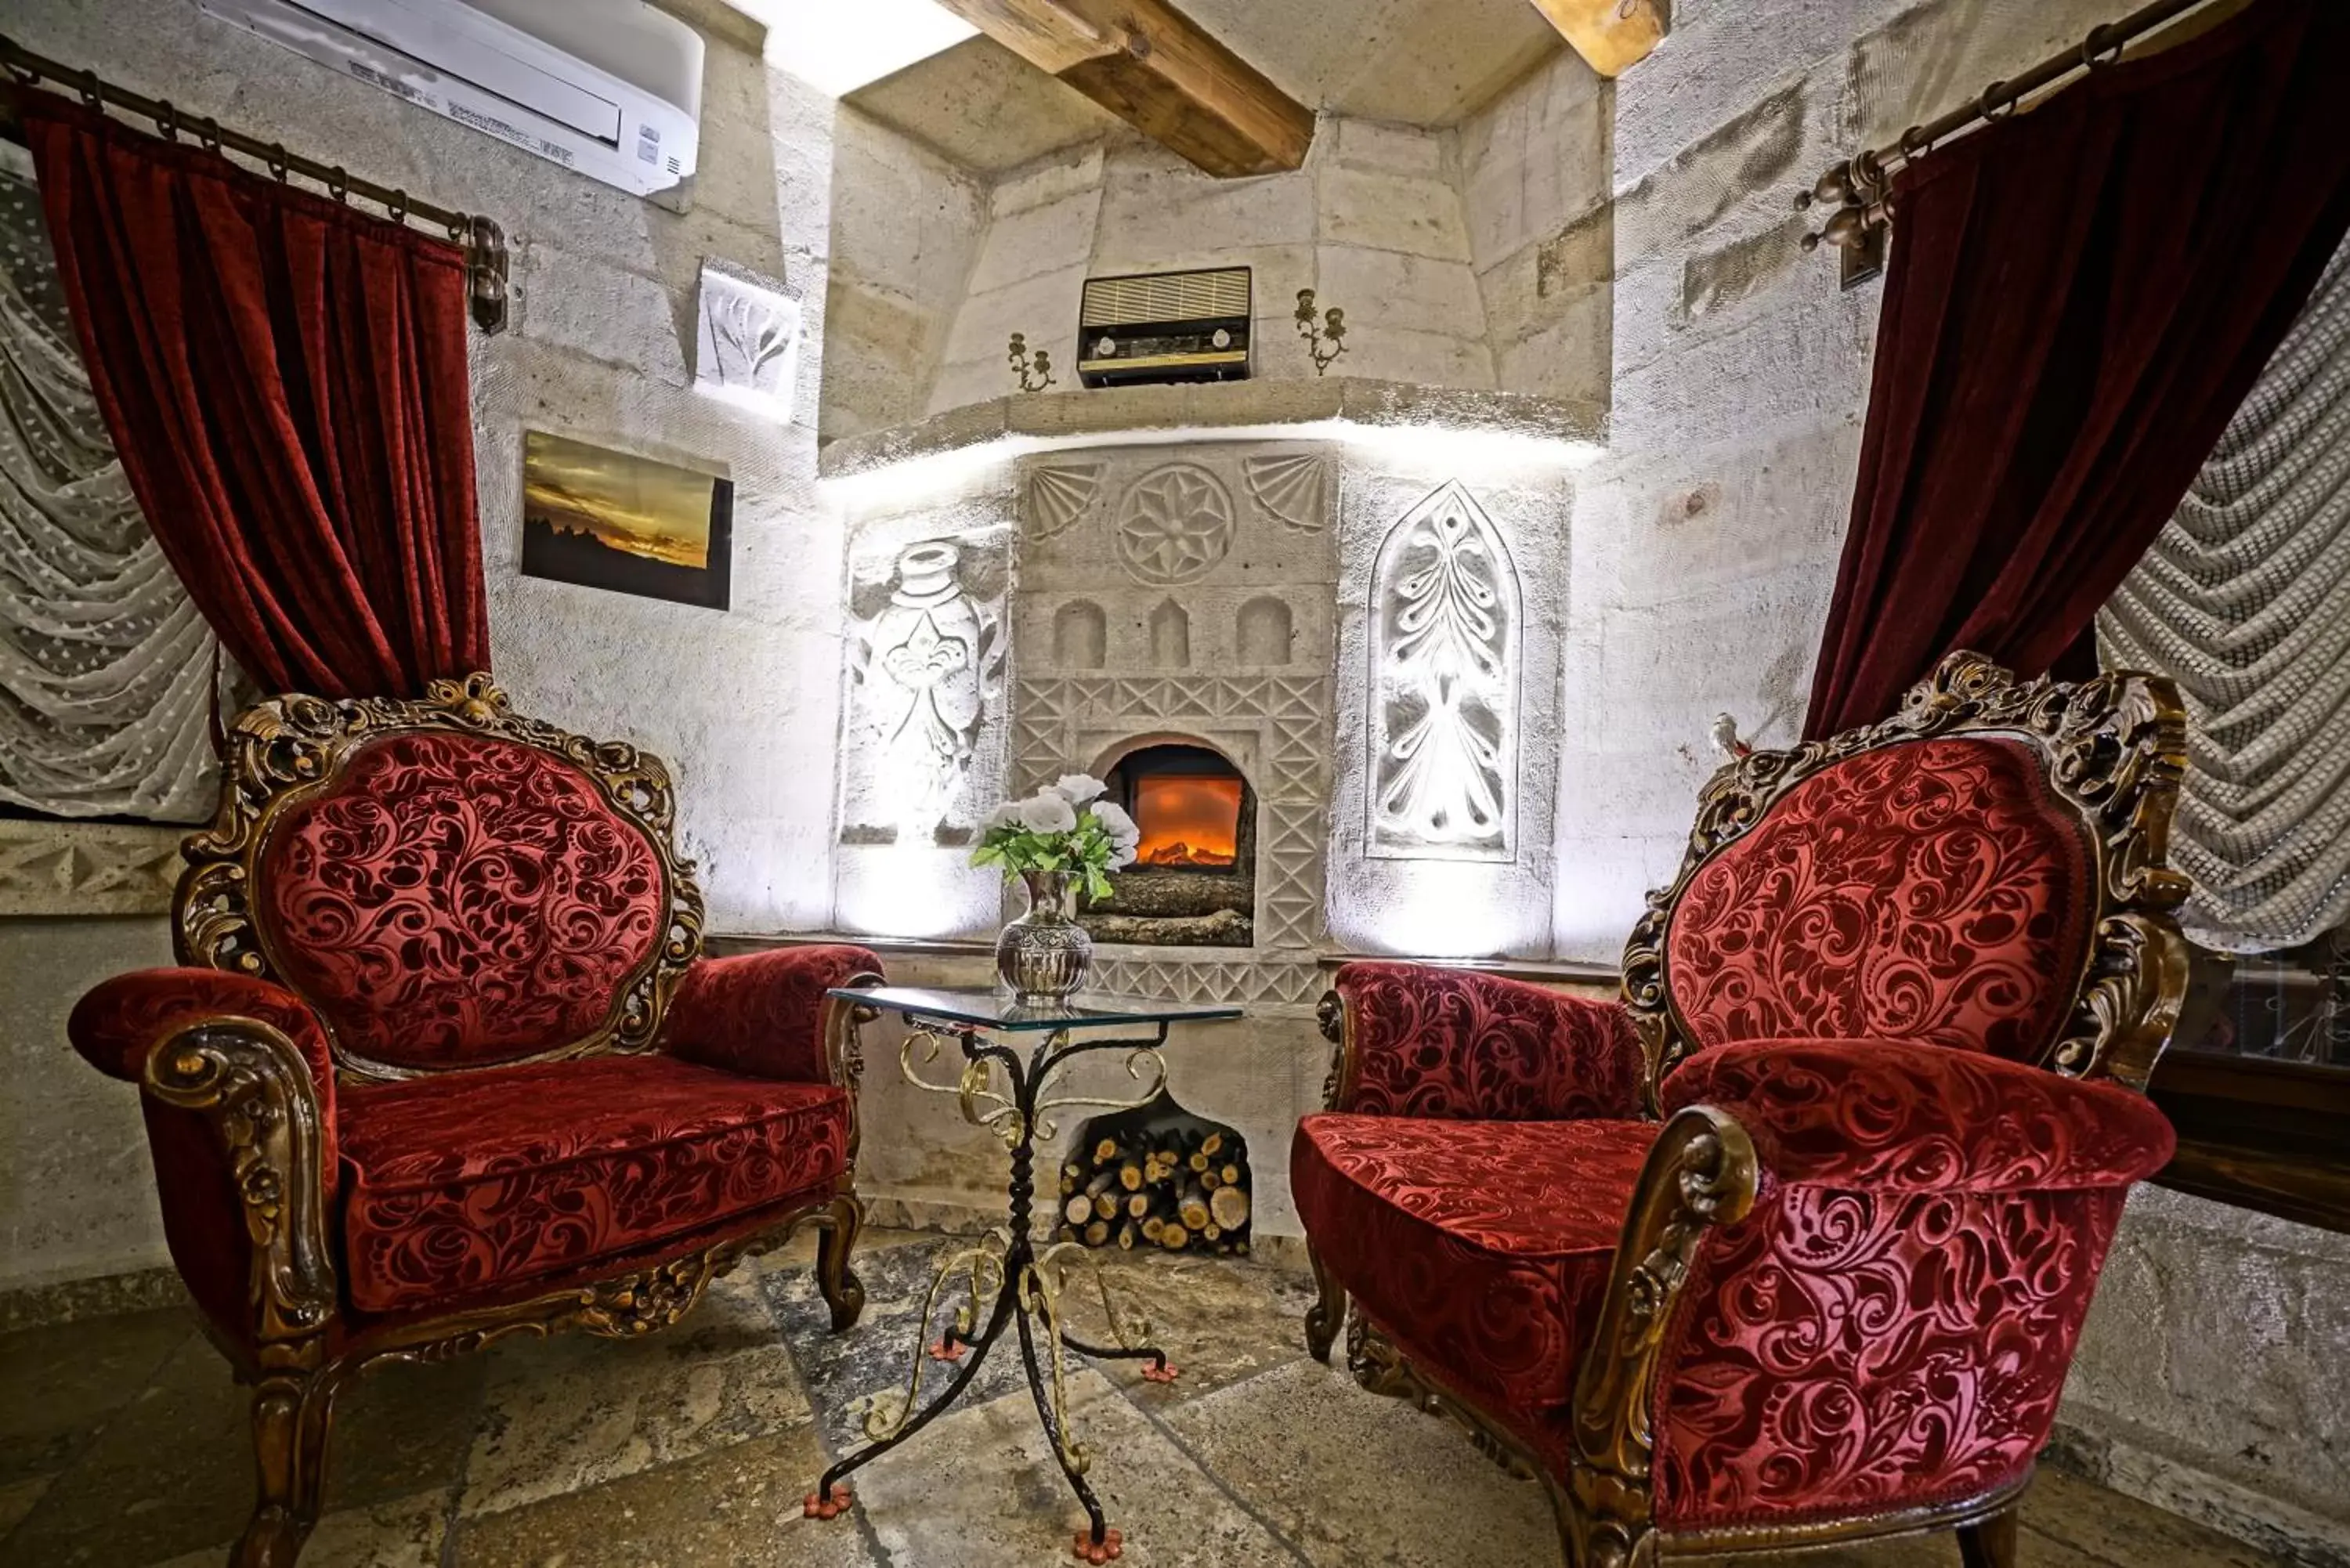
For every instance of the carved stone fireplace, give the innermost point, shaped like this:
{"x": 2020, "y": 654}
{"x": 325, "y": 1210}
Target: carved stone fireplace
{"x": 1307, "y": 667}
{"x": 1193, "y": 882}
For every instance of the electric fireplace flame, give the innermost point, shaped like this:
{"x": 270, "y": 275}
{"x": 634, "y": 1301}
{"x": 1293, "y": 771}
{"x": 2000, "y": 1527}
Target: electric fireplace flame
{"x": 1187, "y": 823}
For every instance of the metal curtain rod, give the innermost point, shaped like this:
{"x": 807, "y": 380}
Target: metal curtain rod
{"x": 484, "y": 241}
{"x": 1861, "y": 186}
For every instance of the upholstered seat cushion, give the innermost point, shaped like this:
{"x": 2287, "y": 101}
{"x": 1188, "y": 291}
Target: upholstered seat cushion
{"x": 467, "y": 1182}
{"x": 1481, "y": 1249}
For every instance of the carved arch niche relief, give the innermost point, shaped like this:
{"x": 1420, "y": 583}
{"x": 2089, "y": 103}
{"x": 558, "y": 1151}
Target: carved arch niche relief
{"x": 1171, "y": 636}
{"x": 1444, "y": 676}
{"x": 1264, "y": 632}
{"x": 1080, "y": 636}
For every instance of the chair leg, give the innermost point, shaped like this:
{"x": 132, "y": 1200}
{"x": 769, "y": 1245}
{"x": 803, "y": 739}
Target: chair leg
{"x": 1990, "y": 1542}
{"x": 291, "y": 1414}
{"x": 843, "y": 1292}
{"x": 1328, "y": 1315}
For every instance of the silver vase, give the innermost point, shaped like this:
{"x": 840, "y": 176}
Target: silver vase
{"x": 1044, "y": 954}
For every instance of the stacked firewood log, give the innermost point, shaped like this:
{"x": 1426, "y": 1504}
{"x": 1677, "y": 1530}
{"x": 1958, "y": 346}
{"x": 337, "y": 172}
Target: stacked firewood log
{"x": 1175, "y": 1188}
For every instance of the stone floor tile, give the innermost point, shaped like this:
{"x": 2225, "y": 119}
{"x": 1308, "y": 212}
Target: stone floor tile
{"x": 798, "y": 1254}
{"x": 17, "y": 1500}
{"x": 1937, "y": 1550}
{"x": 401, "y": 1430}
{"x": 167, "y": 1473}
{"x": 575, "y": 1412}
{"x": 1351, "y": 1478}
{"x": 171, "y": 1470}
{"x": 404, "y": 1534}
{"x": 64, "y": 1380}
{"x": 2120, "y": 1531}
{"x": 1219, "y": 1321}
{"x": 738, "y": 1507}
{"x": 979, "y": 1489}
{"x": 847, "y": 1373}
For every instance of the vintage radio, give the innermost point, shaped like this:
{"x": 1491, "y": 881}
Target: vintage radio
{"x": 1165, "y": 326}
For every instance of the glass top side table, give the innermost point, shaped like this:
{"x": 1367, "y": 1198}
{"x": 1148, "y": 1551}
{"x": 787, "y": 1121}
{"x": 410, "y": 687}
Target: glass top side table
{"x": 1012, "y": 1051}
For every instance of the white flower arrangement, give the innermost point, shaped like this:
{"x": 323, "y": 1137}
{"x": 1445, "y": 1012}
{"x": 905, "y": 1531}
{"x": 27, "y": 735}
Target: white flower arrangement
{"x": 1066, "y": 828}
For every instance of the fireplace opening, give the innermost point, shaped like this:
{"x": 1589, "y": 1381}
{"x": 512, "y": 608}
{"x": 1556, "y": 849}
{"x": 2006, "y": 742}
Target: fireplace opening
{"x": 1193, "y": 882}
{"x": 1188, "y": 820}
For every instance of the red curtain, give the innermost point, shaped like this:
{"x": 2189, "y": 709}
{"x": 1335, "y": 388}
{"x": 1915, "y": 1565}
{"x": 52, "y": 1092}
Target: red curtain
{"x": 285, "y": 379}
{"x": 2077, "y": 300}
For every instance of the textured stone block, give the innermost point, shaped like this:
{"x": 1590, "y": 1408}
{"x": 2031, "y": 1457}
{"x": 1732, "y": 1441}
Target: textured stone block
{"x": 1391, "y": 212}
{"x": 1388, "y": 289}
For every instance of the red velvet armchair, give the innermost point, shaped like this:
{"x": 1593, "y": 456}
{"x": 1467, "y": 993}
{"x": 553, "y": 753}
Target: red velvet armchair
{"x": 1792, "y": 1244}
{"x": 444, "y": 1063}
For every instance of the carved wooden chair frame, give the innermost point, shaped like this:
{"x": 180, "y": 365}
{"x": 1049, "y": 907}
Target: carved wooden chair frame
{"x": 256, "y": 1089}
{"x": 2115, "y": 748}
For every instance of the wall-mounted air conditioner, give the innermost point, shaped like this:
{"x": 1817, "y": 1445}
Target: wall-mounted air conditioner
{"x": 611, "y": 88}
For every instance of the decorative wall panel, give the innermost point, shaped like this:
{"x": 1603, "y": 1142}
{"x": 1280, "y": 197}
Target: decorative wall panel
{"x": 1174, "y": 524}
{"x": 1443, "y": 684}
{"x": 1272, "y": 726}
{"x": 925, "y": 668}
{"x": 1056, "y": 494}
{"x": 747, "y": 342}
{"x": 87, "y": 869}
{"x": 1291, "y": 488}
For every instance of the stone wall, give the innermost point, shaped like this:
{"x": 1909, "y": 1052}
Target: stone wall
{"x": 1434, "y": 242}
{"x": 77, "y": 1191}
{"x": 600, "y": 346}
{"x": 1704, "y": 551}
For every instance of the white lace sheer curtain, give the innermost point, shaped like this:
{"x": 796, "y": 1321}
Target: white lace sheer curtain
{"x": 2244, "y": 600}
{"x": 105, "y": 666}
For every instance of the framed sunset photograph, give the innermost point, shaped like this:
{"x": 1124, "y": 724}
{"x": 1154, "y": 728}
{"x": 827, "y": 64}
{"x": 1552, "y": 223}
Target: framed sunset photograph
{"x": 631, "y": 524}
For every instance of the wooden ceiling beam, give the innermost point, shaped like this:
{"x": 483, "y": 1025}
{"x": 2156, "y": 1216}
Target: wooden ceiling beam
{"x": 1160, "y": 72}
{"x": 1612, "y": 36}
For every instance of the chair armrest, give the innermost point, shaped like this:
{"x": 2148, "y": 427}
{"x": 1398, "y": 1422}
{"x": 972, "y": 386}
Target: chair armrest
{"x": 1901, "y": 1115}
{"x": 117, "y": 1023}
{"x": 764, "y": 1014}
{"x": 238, "y": 1085}
{"x": 1421, "y": 1041}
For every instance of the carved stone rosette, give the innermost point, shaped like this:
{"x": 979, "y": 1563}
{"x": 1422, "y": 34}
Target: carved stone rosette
{"x": 289, "y": 748}
{"x": 2114, "y": 746}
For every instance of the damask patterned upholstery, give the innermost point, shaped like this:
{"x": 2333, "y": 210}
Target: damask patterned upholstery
{"x": 1929, "y": 890}
{"x": 761, "y": 1014}
{"x": 114, "y": 1027}
{"x": 452, "y": 900}
{"x": 1870, "y": 976}
{"x": 1891, "y": 1325}
{"x": 1453, "y": 1042}
{"x": 462, "y": 1184}
{"x": 1480, "y": 1247}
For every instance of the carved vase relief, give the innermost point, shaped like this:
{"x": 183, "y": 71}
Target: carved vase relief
{"x": 1444, "y": 685}
{"x": 926, "y": 664}
{"x": 1174, "y": 525}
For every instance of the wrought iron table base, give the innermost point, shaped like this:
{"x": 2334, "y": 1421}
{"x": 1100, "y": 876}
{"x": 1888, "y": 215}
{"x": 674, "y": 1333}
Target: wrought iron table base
{"x": 1018, "y": 1286}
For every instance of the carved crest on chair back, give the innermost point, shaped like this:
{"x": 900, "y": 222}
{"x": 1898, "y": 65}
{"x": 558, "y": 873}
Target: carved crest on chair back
{"x": 2113, "y": 748}
{"x": 294, "y": 749}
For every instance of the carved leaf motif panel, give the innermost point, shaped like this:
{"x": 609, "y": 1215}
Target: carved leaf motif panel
{"x": 747, "y": 342}
{"x": 1443, "y": 684}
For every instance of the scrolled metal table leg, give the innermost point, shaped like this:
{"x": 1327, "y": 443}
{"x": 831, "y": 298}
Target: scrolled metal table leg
{"x": 1026, "y": 1286}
